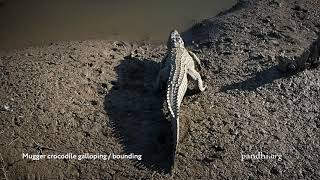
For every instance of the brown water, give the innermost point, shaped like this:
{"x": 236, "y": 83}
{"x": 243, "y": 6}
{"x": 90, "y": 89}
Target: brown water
{"x": 26, "y": 22}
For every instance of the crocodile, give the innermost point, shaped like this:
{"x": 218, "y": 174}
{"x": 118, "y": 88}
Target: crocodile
{"x": 176, "y": 67}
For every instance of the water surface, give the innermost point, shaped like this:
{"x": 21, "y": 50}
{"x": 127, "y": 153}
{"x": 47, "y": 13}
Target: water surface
{"x": 26, "y": 22}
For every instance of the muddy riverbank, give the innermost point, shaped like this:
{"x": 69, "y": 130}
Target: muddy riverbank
{"x": 96, "y": 98}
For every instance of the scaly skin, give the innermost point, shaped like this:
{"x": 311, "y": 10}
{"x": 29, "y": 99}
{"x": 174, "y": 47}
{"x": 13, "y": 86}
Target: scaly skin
{"x": 177, "y": 65}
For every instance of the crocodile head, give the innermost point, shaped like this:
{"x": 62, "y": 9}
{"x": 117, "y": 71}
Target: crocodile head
{"x": 175, "y": 40}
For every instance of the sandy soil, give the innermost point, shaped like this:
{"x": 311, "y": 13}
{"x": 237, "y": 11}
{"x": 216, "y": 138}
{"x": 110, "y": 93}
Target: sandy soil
{"x": 97, "y": 97}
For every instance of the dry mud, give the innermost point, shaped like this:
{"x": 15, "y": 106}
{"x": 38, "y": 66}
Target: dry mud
{"x": 97, "y": 97}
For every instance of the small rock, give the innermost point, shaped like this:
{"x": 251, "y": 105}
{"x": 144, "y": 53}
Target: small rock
{"x": 91, "y": 58}
{"x": 300, "y": 8}
{"x": 233, "y": 131}
{"x": 271, "y": 58}
{"x": 228, "y": 39}
{"x": 256, "y": 55}
{"x": 18, "y": 120}
{"x": 219, "y": 148}
{"x": 94, "y": 103}
{"x": 276, "y": 3}
{"x": 266, "y": 20}
{"x": 6, "y": 108}
{"x": 262, "y": 169}
{"x": 101, "y": 90}
{"x": 275, "y": 171}
{"x": 62, "y": 111}
{"x": 72, "y": 57}
{"x": 275, "y": 34}
{"x": 275, "y": 42}
{"x": 134, "y": 53}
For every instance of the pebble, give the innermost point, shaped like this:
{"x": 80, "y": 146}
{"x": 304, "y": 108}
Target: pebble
{"x": 275, "y": 42}
{"x": 256, "y": 55}
{"x": 6, "y": 108}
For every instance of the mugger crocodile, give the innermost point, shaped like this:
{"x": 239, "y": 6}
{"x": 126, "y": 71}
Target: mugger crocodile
{"x": 177, "y": 67}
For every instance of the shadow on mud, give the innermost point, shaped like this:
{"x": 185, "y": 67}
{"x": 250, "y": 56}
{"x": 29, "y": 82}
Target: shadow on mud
{"x": 136, "y": 115}
{"x": 309, "y": 59}
{"x": 261, "y": 78}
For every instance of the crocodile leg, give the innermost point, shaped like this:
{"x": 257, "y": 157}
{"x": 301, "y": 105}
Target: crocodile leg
{"x": 195, "y": 58}
{"x": 162, "y": 77}
{"x": 196, "y": 77}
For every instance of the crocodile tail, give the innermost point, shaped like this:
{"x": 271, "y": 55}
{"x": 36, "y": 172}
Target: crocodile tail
{"x": 175, "y": 129}
{"x": 175, "y": 136}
